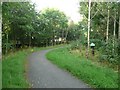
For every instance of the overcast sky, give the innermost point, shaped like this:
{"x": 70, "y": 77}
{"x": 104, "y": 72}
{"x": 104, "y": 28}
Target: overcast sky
{"x": 69, "y": 7}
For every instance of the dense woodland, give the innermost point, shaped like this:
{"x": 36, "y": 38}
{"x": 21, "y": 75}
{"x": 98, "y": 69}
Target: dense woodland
{"x": 104, "y": 28}
{"x": 24, "y": 27}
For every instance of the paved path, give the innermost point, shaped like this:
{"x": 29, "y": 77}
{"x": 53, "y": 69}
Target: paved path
{"x": 43, "y": 74}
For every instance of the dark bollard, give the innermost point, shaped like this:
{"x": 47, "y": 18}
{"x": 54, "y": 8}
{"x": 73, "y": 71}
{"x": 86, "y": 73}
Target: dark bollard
{"x": 93, "y": 51}
{"x": 92, "y": 45}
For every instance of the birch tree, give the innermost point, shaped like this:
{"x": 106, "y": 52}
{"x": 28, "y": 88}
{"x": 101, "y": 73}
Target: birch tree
{"x": 119, "y": 29}
{"x": 108, "y": 12}
{"x": 88, "y": 26}
{"x": 114, "y": 29}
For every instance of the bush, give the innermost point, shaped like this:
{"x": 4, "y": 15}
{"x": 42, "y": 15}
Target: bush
{"x": 75, "y": 45}
{"x": 7, "y": 46}
{"x": 108, "y": 52}
{"x": 98, "y": 42}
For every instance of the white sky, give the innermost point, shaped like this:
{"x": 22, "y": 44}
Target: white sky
{"x": 69, "y": 7}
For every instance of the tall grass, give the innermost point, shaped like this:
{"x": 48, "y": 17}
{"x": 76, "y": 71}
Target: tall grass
{"x": 13, "y": 70}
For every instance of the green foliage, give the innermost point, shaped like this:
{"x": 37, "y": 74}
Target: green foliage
{"x": 17, "y": 17}
{"x": 75, "y": 45}
{"x": 109, "y": 51}
{"x": 74, "y": 32}
{"x": 99, "y": 17}
{"x": 94, "y": 74}
{"x": 99, "y": 14}
{"x": 98, "y": 43}
{"x": 52, "y": 23}
{"x": 35, "y": 29}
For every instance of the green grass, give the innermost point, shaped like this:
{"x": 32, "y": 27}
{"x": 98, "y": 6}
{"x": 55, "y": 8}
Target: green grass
{"x": 94, "y": 75}
{"x": 0, "y": 75}
{"x": 14, "y": 68}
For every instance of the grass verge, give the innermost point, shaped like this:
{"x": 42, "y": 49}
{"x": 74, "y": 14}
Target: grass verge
{"x": 0, "y": 74}
{"x": 96, "y": 76}
{"x": 14, "y": 68}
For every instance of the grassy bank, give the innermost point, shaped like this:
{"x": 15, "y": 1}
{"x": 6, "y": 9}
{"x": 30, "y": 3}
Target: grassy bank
{"x": 0, "y": 74}
{"x": 14, "y": 68}
{"x": 94, "y": 75}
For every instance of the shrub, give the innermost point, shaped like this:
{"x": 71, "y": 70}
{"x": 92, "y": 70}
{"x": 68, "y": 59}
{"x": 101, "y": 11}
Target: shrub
{"x": 108, "y": 51}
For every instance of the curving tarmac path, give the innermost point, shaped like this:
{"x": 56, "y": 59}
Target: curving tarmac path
{"x": 43, "y": 74}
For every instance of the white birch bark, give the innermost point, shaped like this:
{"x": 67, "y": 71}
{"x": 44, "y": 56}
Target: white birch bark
{"x": 107, "y": 25}
{"x": 89, "y": 6}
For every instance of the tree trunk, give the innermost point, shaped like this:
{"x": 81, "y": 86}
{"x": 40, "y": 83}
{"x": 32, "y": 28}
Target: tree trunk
{"x": 53, "y": 38}
{"x": 88, "y": 28}
{"x": 62, "y": 36}
{"x": 6, "y": 51}
{"x": 46, "y": 42}
{"x": 66, "y": 35}
{"x": 114, "y": 26}
{"x": 29, "y": 39}
{"x": 119, "y": 29}
{"x": 1, "y": 35}
{"x": 114, "y": 32}
{"x": 107, "y": 26}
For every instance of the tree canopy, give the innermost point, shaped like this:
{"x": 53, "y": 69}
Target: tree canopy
{"x": 23, "y": 26}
